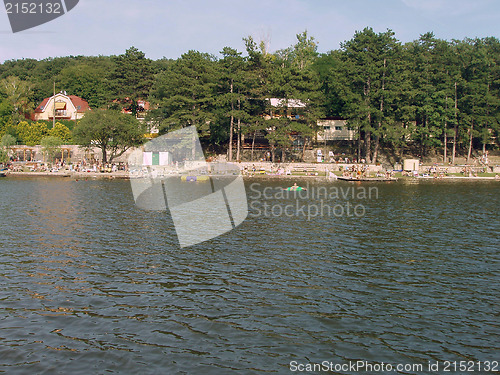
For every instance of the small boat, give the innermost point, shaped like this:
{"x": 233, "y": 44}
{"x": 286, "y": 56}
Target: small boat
{"x": 3, "y": 174}
{"x": 364, "y": 179}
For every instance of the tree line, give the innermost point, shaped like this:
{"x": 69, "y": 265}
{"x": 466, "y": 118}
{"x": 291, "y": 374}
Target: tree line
{"x": 426, "y": 96}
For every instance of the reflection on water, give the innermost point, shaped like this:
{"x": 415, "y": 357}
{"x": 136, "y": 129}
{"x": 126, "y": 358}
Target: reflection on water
{"x": 92, "y": 284}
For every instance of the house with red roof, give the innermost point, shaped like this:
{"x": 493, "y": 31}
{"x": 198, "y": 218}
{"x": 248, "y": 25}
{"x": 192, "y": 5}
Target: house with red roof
{"x": 128, "y": 106}
{"x": 62, "y": 107}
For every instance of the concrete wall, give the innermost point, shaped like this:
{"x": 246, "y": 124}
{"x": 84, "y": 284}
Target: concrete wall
{"x": 319, "y": 167}
{"x": 72, "y": 153}
{"x": 335, "y": 130}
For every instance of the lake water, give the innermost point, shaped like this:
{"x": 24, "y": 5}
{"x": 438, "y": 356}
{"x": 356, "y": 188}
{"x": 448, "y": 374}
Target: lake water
{"x": 91, "y": 284}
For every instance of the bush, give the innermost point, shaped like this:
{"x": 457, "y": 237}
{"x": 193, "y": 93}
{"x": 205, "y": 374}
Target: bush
{"x": 61, "y": 131}
{"x": 32, "y": 133}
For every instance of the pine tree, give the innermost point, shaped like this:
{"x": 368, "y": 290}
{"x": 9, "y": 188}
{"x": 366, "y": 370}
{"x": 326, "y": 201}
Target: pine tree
{"x": 364, "y": 74}
{"x": 296, "y": 84}
{"x": 184, "y": 94}
{"x": 133, "y": 75}
{"x": 479, "y": 104}
{"x": 257, "y": 71}
{"x": 230, "y": 97}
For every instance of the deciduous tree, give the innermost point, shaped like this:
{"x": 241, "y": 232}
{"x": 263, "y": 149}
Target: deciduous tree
{"x": 51, "y": 146}
{"x": 113, "y": 132}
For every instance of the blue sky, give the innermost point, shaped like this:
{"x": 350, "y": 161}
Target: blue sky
{"x": 168, "y": 28}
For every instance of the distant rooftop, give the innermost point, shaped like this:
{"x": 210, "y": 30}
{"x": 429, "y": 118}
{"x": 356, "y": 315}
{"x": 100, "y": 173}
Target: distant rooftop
{"x": 290, "y": 103}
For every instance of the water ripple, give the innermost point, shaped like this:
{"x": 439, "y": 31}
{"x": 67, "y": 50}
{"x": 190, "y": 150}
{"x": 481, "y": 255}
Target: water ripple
{"x": 92, "y": 284}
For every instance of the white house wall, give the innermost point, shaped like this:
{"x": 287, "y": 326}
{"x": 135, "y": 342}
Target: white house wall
{"x": 48, "y": 110}
{"x": 335, "y": 130}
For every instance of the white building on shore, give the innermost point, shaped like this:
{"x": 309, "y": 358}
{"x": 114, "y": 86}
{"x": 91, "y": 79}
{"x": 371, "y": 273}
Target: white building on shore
{"x": 335, "y": 129}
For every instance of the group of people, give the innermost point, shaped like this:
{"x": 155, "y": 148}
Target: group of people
{"x": 274, "y": 170}
{"x": 484, "y": 159}
{"x": 96, "y": 167}
{"x": 355, "y": 171}
{"x": 469, "y": 172}
{"x": 340, "y": 159}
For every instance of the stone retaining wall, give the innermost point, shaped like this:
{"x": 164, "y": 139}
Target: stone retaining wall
{"x": 298, "y": 167}
{"x": 72, "y": 153}
{"x": 77, "y": 154}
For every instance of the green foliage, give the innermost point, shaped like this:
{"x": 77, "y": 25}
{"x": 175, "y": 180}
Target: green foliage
{"x": 4, "y": 158}
{"x": 5, "y": 115}
{"x": 293, "y": 80}
{"x": 230, "y": 100}
{"x": 60, "y": 131}
{"x": 8, "y": 140}
{"x": 70, "y": 124}
{"x": 31, "y": 133}
{"x": 89, "y": 81}
{"x": 394, "y": 95}
{"x": 18, "y": 95}
{"x": 132, "y": 76}
{"x": 113, "y": 132}
{"x": 185, "y": 93}
{"x": 51, "y": 146}
{"x": 328, "y": 68}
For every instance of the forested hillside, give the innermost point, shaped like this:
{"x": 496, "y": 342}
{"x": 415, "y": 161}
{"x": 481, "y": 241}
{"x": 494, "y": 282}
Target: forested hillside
{"x": 423, "y": 94}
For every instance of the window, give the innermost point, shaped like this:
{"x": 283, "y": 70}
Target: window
{"x": 338, "y": 128}
{"x": 78, "y": 107}
{"x": 326, "y": 127}
{"x": 41, "y": 108}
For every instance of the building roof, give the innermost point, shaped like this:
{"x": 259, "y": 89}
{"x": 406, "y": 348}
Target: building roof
{"x": 290, "y": 103}
{"x": 142, "y": 105}
{"x": 80, "y": 104}
{"x": 332, "y": 118}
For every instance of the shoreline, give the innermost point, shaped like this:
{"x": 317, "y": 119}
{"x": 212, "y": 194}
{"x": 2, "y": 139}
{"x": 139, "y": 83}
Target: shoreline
{"x": 121, "y": 175}
{"x": 72, "y": 175}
